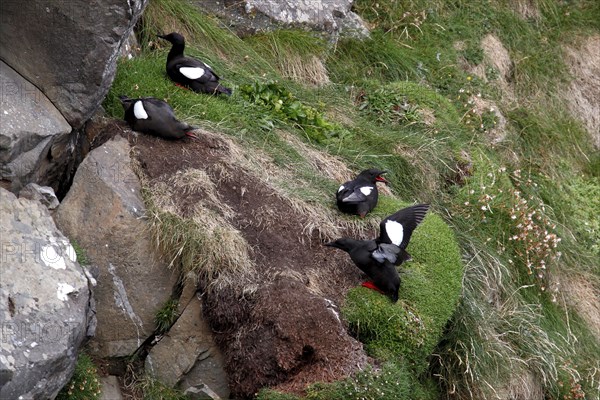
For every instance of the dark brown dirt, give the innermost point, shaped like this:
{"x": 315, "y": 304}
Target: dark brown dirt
{"x": 282, "y": 334}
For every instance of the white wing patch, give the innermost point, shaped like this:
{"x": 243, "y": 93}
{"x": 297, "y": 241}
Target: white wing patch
{"x": 395, "y": 231}
{"x": 138, "y": 110}
{"x": 341, "y": 188}
{"x": 366, "y": 190}
{"x": 192, "y": 72}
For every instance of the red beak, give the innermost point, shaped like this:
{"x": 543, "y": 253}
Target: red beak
{"x": 190, "y": 134}
{"x": 382, "y": 179}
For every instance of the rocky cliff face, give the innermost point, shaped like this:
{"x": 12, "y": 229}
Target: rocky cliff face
{"x": 44, "y": 302}
{"x": 68, "y": 49}
{"x": 57, "y": 63}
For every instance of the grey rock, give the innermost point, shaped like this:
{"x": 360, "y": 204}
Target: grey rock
{"x": 44, "y": 302}
{"x": 201, "y": 392}
{"x": 110, "y": 388}
{"x": 69, "y": 49}
{"x": 252, "y": 16}
{"x": 130, "y": 47}
{"x": 43, "y": 194}
{"x": 34, "y": 136}
{"x": 187, "y": 355}
{"x": 104, "y": 213}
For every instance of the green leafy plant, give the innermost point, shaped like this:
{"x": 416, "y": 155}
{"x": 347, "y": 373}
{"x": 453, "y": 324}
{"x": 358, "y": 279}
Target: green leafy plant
{"x": 389, "y": 107}
{"x": 84, "y": 384}
{"x": 283, "y": 104}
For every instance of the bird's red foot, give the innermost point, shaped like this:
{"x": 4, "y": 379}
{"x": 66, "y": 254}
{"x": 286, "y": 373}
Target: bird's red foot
{"x": 371, "y": 285}
{"x": 181, "y": 86}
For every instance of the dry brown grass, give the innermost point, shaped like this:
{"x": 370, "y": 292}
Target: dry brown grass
{"x": 583, "y": 96}
{"x": 582, "y": 292}
{"x": 305, "y": 70}
{"x": 330, "y": 166}
{"x": 202, "y": 243}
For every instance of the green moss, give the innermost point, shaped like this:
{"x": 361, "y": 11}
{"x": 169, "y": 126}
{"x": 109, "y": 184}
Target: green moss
{"x": 429, "y": 293}
{"x": 84, "y": 384}
{"x": 393, "y": 381}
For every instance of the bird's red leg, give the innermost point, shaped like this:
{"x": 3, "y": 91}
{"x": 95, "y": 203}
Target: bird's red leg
{"x": 371, "y": 285}
{"x": 181, "y": 86}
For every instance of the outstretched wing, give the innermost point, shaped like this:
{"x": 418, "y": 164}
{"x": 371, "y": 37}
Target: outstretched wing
{"x": 398, "y": 228}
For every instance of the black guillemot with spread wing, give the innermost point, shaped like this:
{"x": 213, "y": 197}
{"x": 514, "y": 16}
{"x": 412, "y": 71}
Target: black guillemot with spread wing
{"x": 378, "y": 258}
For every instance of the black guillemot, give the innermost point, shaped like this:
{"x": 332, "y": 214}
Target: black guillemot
{"x": 190, "y": 72}
{"x": 378, "y": 258}
{"x": 359, "y": 196}
{"x": 154, "y": 117}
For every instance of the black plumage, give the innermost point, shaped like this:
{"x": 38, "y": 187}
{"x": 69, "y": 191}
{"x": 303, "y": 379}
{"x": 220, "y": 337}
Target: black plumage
{"x": 378, "y": 258}
{"x": 359, "y": 196}
{"x": 154, "y": 117}
{"x": 191, "y": 72}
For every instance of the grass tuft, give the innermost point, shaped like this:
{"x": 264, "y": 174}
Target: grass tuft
{"x": 166, "y": 316}
{"x": 84, "y": 384}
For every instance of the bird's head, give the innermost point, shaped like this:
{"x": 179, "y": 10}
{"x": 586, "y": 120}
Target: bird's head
{"x": 373, "y": 175}
{"x": 173, "y": 37}
{"x": 342, "y": 244}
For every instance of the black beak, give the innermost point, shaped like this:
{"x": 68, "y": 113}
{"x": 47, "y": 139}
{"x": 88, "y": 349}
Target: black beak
{"x": 330, "y": 244}
{"x": 161, "y": 36}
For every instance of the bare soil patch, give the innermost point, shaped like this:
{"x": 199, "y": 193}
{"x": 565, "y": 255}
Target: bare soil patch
{"x": 277, "y": 329}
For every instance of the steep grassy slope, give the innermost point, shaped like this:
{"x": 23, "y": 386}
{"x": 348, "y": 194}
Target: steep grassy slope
{"x": 490, "y": 144}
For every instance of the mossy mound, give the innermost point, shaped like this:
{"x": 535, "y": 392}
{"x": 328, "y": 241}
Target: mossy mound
{"x": 429, "y": 293}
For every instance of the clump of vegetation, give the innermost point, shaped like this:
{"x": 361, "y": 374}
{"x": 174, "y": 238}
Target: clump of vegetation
{"x": 166, "y": 316}
{"x": 153, "y": 389}
{"x": 80, "y": 253}
{"x": 283, "y": 104}
{"x": 84, "y": 384}
{"x": 390, "y": 331}
{"x": 584, "y": 200}
{"x": 392, "y": 381}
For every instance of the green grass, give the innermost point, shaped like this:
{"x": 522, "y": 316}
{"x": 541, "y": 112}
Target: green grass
{"x": 80, "y": 253}
{"x": 429, "y": 294}
{"x": 400, "y": 101}
{"x": 84, "y": 384}
{"x": 166, "y": 316}
{"x": 153, "y": 389}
